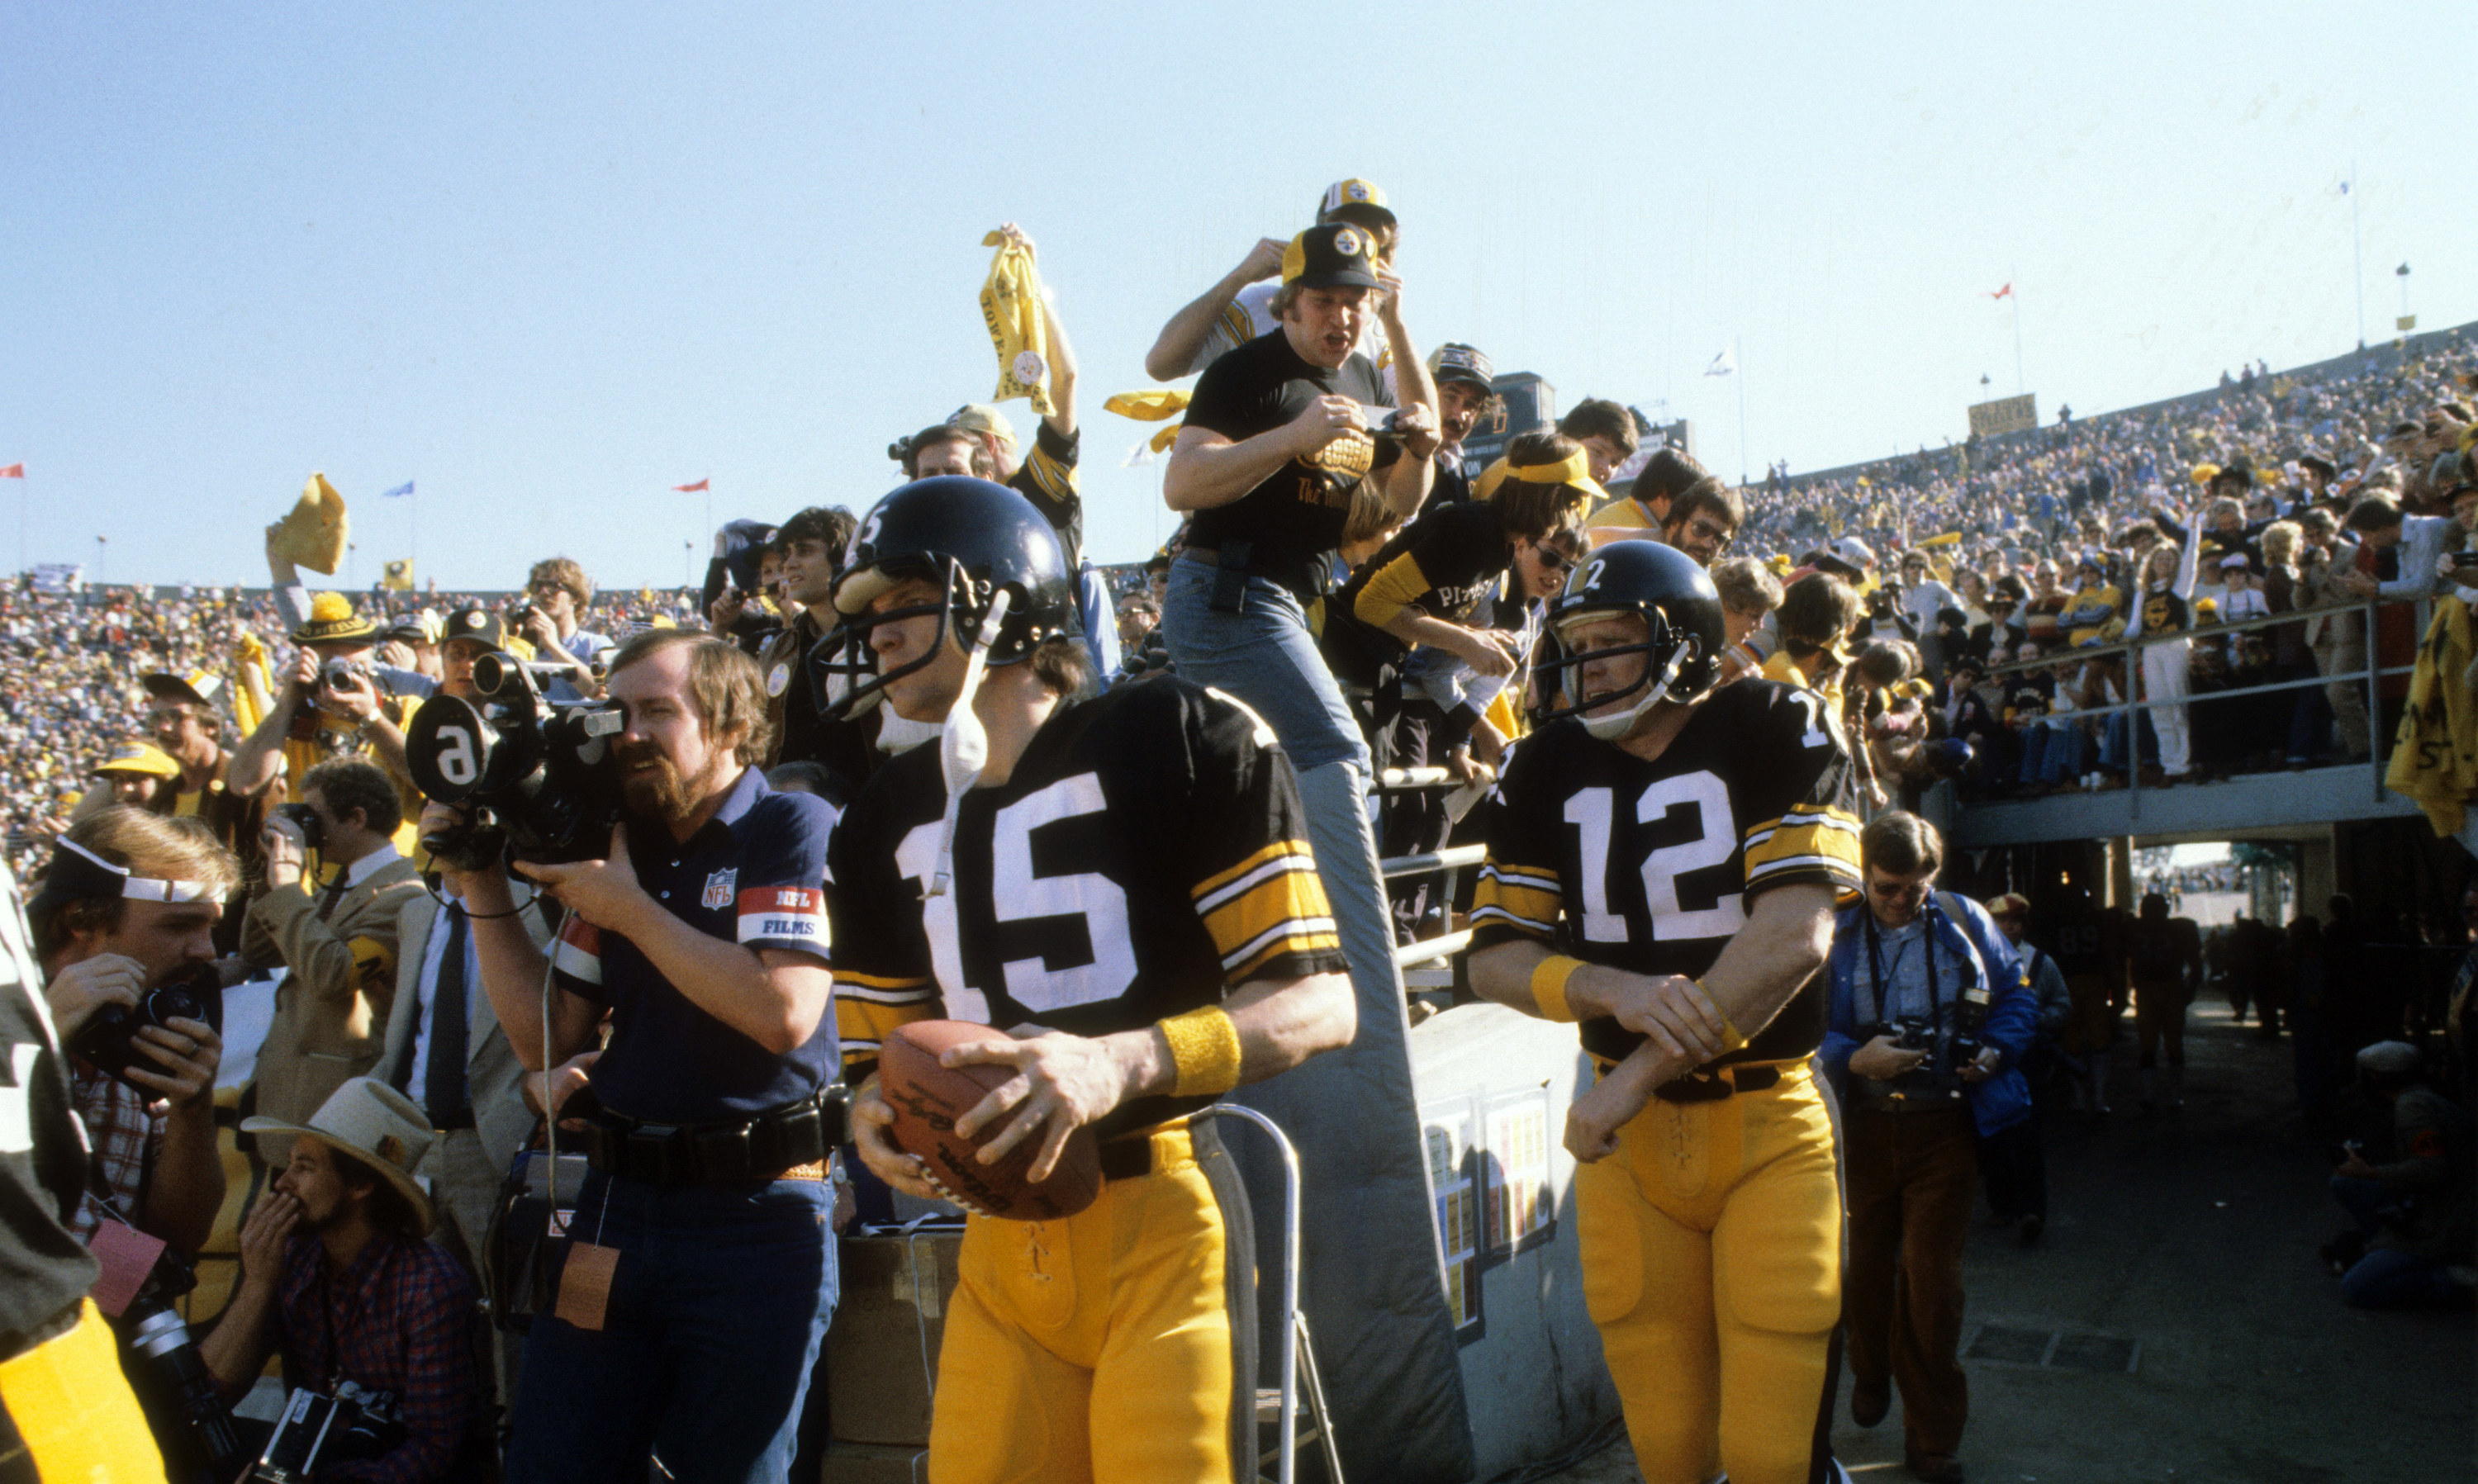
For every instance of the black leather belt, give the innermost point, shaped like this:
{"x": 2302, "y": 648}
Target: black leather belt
{"x": 778, "y": 1143}
{"x": 1704, "y": 1087}
{"x": 1127, "y": 1159}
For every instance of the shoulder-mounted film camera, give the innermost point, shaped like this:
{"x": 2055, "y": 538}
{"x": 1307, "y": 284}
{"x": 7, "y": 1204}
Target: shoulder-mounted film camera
{"x": 532, "y": 775}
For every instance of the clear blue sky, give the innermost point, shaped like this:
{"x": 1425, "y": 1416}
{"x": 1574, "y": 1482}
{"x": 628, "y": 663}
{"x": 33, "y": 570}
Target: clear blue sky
{"x": 551, "y": 260}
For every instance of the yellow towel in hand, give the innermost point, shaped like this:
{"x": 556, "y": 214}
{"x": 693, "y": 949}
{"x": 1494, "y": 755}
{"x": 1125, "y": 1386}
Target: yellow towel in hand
{"x": 1148, "y": 406}
{"x": 314, "y": 533}
{"x": 1011, "y": 309}
{"x": 2435, "y": 759}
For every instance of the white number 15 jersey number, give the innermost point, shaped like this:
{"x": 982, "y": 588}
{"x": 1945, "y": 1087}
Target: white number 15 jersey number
{"x": 1715, "y": 835}
{"x": 1017, "y": 896}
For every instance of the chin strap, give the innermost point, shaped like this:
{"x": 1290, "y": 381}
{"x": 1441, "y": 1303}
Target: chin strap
{"x": 963, "y": 745}
{"x": 1617, "y": 724}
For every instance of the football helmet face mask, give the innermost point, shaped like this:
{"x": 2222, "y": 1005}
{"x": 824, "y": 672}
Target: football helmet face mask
{"x": 969, "y": 539}
{"x": 1682, "y": 644}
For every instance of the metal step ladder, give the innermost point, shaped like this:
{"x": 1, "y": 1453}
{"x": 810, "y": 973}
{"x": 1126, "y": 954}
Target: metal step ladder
{"x": 1279, "y": 1405}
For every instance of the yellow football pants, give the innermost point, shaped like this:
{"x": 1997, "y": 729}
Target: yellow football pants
{"x": 1104, "y": 1349}
{"x": 1711, "y": 1251}
{"x": 75, "y": 1411}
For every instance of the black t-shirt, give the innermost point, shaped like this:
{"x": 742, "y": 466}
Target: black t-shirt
{"x": 2164, "y": 612}
{"x": 1649, "y": 867}
{"x": 1452, "y": 486}
{"x": 1148, "y": 851}
{"x": 1445, "y": 564}
{"x": 44, "y": 1270}
{"x": 1297, "y": 515}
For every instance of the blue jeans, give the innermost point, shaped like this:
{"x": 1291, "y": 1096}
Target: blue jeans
{"x": 716, "y": 1309}
{"x": 1266, "y": 657}
{"x": 2389, "y": 1278}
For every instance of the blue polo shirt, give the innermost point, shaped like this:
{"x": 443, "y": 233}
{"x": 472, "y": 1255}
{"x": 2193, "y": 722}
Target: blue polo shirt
{"x": 753, "y": 874}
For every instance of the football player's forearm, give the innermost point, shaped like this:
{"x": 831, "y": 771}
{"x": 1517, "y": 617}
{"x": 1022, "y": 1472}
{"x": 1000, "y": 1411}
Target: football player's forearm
{"x": 1280, "y": 1023}
{"x": 1502, "y": 973}
{"x": 1786, "y": 941}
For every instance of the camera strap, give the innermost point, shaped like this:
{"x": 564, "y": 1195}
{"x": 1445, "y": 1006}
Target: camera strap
{"x": 1875, "y": 970}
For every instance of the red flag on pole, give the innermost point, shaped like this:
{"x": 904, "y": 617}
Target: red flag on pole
{"x": 694, "y": 488}
{"x": 12, "y": 471}
{"x": 2004, "y": 292}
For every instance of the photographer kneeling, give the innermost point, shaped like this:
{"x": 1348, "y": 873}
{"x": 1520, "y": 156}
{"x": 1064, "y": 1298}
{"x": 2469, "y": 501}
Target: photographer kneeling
{"x": 1929, "y": 1014}
{"x": 334, "y": 1273}
{"x": 694, "y": 1287}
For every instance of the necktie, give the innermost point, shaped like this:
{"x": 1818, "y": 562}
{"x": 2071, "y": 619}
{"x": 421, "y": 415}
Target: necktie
{"x": 442, "y": 1081}
{"x": 332, "y": 894}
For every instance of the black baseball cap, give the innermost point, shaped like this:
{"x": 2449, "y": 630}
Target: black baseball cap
{"x": 1331, "y": 255}
{"x": 482, "y": 626}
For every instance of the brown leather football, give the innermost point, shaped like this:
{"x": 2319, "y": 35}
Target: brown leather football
{"x": 927, "y": 1098}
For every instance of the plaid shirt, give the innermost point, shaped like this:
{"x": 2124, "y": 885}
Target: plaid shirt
{"x": 126, "y": 1128}
{"x": 399, "y": 1319}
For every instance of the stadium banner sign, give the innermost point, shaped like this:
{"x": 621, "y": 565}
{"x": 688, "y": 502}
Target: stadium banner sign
{"x": 2005, "y": 414}
{"x": 57, "y": 577}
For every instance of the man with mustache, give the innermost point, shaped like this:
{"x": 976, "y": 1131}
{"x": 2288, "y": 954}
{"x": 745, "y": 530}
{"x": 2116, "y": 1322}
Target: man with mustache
{"x": 700, "y": 1274}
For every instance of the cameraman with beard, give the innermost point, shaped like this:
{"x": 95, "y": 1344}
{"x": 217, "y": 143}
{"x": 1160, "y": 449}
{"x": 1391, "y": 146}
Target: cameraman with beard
{"x": 696, "y": 1281}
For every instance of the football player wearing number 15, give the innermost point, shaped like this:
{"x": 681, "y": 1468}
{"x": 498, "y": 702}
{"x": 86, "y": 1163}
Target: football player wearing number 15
{"x": 1122, "y": 889}
{"x": 1691, "y": 837}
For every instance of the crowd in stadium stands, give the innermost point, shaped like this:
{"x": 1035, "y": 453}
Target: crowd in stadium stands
{"x": 1963, "y": 615}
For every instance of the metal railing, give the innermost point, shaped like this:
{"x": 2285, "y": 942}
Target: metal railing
{"x": 2371, "y": 675}
{"x": 1450, "y": 863}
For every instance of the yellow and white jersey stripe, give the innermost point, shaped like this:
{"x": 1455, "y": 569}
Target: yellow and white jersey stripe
{"x": 1268, "y": 905}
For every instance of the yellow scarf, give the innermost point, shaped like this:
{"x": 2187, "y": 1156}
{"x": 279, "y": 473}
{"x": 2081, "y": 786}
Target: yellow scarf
{"x": 1011, "y": 309}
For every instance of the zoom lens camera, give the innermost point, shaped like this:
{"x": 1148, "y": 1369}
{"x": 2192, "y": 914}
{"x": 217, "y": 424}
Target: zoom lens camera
{"x": 185, "y": 1410}
{"x": 532, "y": 775}
{"x": 108, "y": 1039}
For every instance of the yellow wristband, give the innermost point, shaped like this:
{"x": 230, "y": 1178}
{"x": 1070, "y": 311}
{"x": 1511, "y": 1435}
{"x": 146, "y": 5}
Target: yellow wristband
{"x": 1549, "y": 986}
{"x": 1729, "y": 1033}
{"x": 1204, "y": 1048}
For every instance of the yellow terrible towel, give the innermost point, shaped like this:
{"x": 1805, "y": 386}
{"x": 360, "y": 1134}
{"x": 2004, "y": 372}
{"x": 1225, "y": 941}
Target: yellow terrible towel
{"x": 313, "y": 533}
{"x": 2435, "y": 758}
{"x": 1011, "y": 310}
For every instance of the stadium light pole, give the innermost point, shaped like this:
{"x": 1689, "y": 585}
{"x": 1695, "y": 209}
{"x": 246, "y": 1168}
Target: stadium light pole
{"x": 1739, "y": 349}
{"x": 2021, "y": 383}
{"x": 2402, "y": 273}
{"x": 2358, "y": 245}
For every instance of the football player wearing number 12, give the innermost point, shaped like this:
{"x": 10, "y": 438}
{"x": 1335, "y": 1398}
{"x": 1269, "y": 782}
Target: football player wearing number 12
{"x": 1662, "y": 864}
{"x": 1122, "y": 889}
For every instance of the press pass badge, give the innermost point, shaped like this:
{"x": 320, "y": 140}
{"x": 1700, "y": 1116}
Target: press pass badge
{"x": 585, "y": 1283}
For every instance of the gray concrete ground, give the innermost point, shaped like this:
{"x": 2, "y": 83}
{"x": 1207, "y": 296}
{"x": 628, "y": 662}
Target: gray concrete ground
{"x": 2192, "y": 1234}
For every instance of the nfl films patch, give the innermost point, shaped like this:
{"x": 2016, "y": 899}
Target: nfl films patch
{"x": 719, "y": 889}
{"x": 796, "y": 912}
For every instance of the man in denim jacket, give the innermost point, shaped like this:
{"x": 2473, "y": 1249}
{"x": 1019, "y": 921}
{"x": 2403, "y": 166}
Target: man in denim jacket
{"x": 1929, "y": 1014}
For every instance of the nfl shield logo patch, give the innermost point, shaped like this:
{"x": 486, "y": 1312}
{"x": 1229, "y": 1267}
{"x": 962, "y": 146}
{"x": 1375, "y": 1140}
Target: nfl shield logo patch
{"x": 719, "y": 889}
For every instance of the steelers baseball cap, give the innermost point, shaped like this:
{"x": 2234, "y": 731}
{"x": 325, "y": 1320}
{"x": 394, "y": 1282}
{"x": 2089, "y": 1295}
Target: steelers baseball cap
{"x": 139, "y": 757}
{"x": 1332, "y": 255}
{"x": 1454, "y": 361}
{"x": 482, "y": 626}
{"x": 204, "y": 687}
{"x": 1356, "y": 200}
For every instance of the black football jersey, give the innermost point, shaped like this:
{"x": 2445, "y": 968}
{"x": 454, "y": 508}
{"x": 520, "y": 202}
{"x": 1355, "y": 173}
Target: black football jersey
{"x": 1147, "y": 853}
{"x": 1649, "y": 867}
